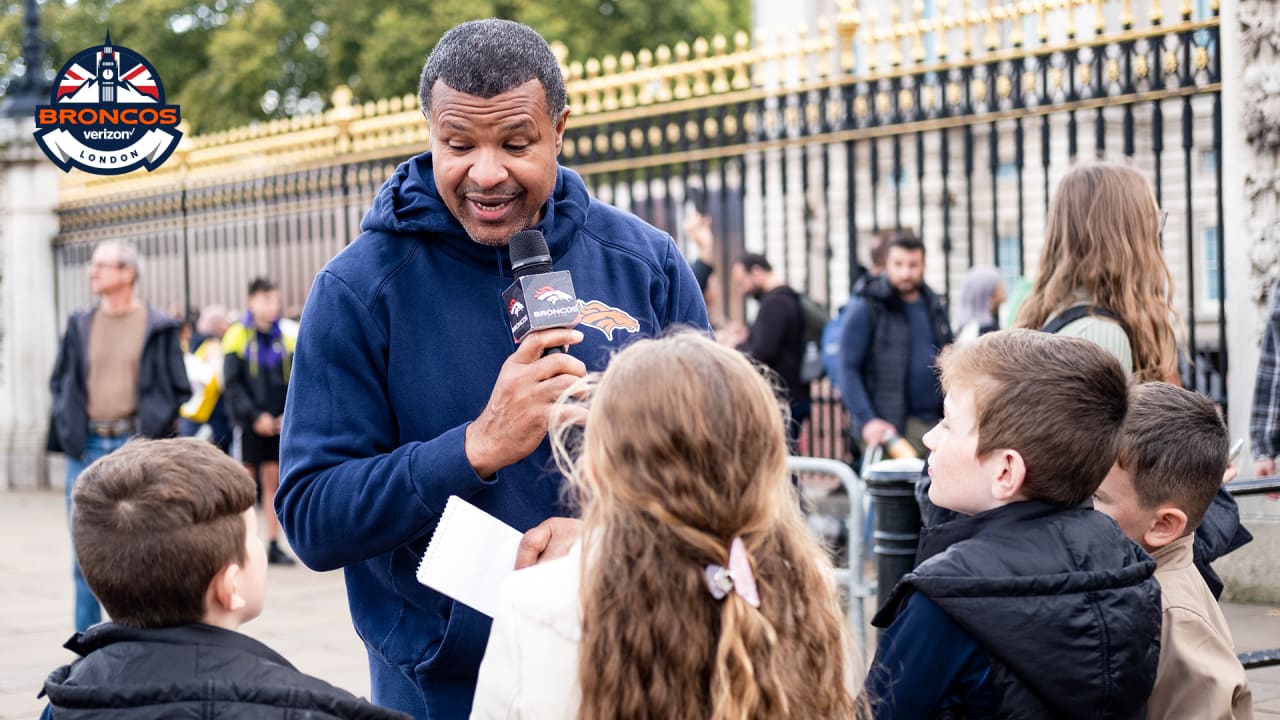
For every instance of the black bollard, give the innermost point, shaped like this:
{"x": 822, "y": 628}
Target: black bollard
{"x": 891, "y": 485}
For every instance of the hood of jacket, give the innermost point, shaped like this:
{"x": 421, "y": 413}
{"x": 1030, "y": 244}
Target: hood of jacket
{"x": 410, "y": 204}
{"x": 1069, "y": 573}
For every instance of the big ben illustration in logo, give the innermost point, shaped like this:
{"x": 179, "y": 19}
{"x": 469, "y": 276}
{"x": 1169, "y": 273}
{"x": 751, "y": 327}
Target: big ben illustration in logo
{"x": 107, "y": 72}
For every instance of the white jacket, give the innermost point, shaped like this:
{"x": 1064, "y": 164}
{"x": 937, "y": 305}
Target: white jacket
{"x": 530, "y": 667}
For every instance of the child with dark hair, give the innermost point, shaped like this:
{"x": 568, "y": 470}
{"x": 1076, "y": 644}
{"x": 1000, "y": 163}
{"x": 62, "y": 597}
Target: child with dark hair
{"x": 1172, "y": 458}
{"x": 165, "y": 534}
{"x": 1029, "y": 604}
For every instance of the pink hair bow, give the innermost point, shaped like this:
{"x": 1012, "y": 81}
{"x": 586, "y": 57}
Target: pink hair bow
{"x": 737, "y": 577}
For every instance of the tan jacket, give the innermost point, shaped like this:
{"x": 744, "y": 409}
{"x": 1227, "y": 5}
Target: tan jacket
{"x": 530, "y": 666}
{"x": 1199, "y": 677}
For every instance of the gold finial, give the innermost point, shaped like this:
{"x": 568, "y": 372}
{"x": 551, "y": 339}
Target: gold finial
{"x": 1014, "y": 13}
{"x": 1187, "y": 10}
{"x": 1157, "y": 12}
{"x": 896, "y": 33}
{"x": 1099, "y": 18}
{"x": 561, "y": 51}
{"x": 742, "y": 68}
{"x": 1071, "y": 19}
{"x": 917, "y": 31}
{"x": 940, "y": 30}
{"x": 1214, "y": 6}
{"x": 871, "y": 44}
{"x": 1042, "y": 7}
{"x": 1126, "y": 15}
{"x": 992, "y": 40}
{"x": 968, "y": 19}
{"x": 847, "y": 21}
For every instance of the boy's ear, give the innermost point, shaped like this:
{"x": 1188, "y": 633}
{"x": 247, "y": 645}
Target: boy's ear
{"x": 224, "y": 590}
{"x": 1010, "y": 473}
{"x": 1167, "y": 524}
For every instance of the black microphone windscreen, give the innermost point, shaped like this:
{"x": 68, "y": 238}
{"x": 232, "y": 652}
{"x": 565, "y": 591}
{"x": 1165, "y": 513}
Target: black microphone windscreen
{"x": 529, "y": 253}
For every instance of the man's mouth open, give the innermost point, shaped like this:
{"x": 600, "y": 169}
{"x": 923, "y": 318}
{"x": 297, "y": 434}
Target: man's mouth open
{"x": 490, "y": 209}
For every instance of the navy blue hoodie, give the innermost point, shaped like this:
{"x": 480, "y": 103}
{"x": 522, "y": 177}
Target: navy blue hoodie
{"x": 401, "y": 341}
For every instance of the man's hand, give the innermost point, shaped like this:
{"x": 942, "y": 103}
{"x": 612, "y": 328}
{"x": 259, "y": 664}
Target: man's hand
{"x": 518, "y": 413}
{"x": 1264, "y": 467}
{"x": 551, "y": 539}
{"x": 1230, "y": 474}
{"x": 264, "y": 425}
{"x": 876, "y": 430}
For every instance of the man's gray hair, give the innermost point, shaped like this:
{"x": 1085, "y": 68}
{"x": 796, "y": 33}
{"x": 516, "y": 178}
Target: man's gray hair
{"x": 489, "y": 57}
{"x": 126, "y": 255}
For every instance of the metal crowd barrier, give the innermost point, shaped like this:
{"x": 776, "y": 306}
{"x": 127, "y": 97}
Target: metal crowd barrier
{"x": 1244, "y": 488}
{"x": 850, "y": 577}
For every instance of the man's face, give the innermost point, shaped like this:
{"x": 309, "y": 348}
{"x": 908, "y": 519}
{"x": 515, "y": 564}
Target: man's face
{"x": 494, "y": 159}
{"x": 905, "y": 269}
{"x": 106, "y": 273}
{"x": 744, "y": 281}
{"x": 961, "y": 481}
{"x": 265, "y": 308}
{"x": 1117, "y": 498}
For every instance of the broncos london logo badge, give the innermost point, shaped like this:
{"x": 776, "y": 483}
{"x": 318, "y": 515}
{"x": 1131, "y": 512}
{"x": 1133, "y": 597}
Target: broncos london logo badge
{"x": 607, "y": 318}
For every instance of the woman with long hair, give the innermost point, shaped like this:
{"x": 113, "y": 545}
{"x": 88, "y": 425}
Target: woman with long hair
{"x": 697, "y": 590}
{"x": 1101, "y": 268}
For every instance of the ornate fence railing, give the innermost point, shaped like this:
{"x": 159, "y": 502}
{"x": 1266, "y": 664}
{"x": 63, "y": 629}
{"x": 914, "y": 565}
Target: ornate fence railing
{"x": 946, "y": 118}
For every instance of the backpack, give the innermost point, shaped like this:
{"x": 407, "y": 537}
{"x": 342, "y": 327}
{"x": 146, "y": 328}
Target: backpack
{"x": 1074, "y": 313}
{"x": 812, "y": 364}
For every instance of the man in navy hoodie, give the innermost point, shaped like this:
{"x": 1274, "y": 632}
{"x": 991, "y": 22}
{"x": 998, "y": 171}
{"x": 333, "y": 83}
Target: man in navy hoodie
{"x": 407, "y": 387}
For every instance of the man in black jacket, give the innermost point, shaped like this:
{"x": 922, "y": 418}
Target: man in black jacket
{"x": 887, "y": 350}
{"x": 777, "y": 337}
{"x": 119, "y": 374}
{"x": 166, "y": 534}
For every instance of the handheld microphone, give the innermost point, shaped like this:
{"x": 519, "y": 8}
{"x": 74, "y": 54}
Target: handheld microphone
{"x": 541, "y": 297}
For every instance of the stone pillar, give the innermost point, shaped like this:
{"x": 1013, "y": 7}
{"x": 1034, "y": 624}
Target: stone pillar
{"x": 28, "y": 324}
{"x": 1251, "y": 187}
{"x": 1251, "y": 203}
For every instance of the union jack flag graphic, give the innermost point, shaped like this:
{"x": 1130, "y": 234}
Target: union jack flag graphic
{"x": 73, "y": 79}
{"x": 80, "y": 85}
{"x": 139, "y": 78}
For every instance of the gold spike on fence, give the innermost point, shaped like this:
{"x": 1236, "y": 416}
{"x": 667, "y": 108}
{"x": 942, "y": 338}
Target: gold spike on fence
{"x": 865, "y": 38}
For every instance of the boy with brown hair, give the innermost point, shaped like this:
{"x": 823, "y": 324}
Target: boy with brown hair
{"x": 1029, "y": 604}
{"x": 1171, "y": 462}
{"x": 166, "y": 536}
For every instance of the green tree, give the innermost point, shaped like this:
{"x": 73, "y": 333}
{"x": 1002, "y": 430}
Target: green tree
{"x": 232, "y": 62}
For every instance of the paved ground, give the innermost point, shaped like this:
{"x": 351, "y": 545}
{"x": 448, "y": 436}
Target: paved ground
{"x": 305, "y": 618}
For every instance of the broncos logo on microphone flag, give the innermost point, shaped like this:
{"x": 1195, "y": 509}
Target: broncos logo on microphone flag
{"x": 552, "y": 295}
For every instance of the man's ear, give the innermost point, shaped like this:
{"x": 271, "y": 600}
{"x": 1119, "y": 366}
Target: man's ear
{"x": 562, "y": 122}
{"x": 1168, "y": 524}
{"x": 224, "y": 590}
{"x": 1009, "y": 473}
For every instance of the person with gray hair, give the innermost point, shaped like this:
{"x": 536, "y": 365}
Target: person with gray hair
{"x": 981, "y": 296}
{"x": 408, "y": 385}
{"x": 119, "y": 374}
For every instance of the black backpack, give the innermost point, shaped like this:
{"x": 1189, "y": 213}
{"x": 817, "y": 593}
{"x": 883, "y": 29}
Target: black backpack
{"x": 1074, "y": 313}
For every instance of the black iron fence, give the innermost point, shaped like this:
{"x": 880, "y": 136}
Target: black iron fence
{"x": 963, "y": 151}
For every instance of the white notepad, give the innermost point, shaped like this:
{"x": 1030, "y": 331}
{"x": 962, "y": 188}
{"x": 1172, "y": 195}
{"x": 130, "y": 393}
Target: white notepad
{"x": 469, "y": 555}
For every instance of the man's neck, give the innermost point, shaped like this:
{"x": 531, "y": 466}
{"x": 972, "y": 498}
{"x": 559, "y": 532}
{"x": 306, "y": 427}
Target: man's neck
{"x": 119, "y": 302}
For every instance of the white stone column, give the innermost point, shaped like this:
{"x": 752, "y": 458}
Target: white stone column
{"x": 1251, "y": 193}
{"x": 28, "y": 325}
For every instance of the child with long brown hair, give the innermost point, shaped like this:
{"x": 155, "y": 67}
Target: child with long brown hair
{"x": 697, "y": 591}
{"x": 1102, "y": 272}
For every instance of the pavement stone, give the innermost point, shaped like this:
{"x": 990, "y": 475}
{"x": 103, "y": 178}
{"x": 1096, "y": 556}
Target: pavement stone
{"x": 305, "y": 618}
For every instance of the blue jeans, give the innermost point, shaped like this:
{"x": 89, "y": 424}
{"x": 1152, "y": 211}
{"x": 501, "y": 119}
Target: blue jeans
{"x": 88, "y": 611}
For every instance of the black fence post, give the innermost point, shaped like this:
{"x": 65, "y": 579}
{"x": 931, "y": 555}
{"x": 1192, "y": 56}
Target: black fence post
{"x": 892, "y": 487}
